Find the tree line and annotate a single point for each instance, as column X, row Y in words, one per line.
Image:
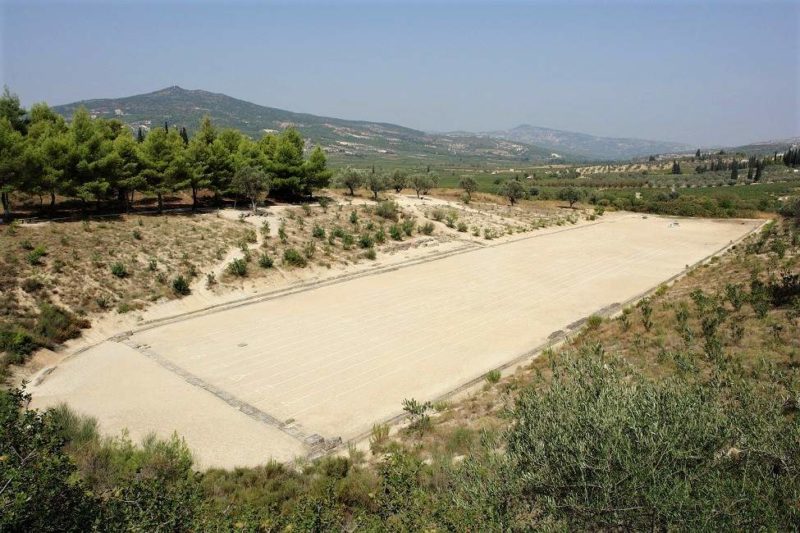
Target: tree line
column 100, row 161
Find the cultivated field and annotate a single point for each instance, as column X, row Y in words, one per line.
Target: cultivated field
column 269, row 376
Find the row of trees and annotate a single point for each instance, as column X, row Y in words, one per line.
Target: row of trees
column 376, row 182
column 98, row 160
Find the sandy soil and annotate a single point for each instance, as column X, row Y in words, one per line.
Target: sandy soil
column 274, row 371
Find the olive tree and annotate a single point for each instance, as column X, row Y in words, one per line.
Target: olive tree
column 376, row 183
column 422, row 183
column 513, row 190
column 252, row 183
column 350, row 178
column 570, row 194
column 398, row 180
column 469, row 185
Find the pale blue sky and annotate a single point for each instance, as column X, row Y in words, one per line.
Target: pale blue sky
column 707, row 73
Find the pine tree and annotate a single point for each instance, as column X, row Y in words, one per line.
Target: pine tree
column 759, row 168
column 734, row 170
column 139, row 135
column 184, row 135
column 166, row 126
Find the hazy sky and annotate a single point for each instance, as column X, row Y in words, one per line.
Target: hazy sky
column 701, row 72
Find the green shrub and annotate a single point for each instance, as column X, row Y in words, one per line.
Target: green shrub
column 119, row 270
column 370, row 254
column 366, row 241
column 380, row 236
column 427, row 228
column 55, row 324
column 180, row 286
column 238, row 267
column 347, row 241
column 318, row 232
column 438, row 214
column 353, row 217
column 396, row 232
column 16, row 341
column 265, row 261
column 462, row 227
column 294, row 258
column 387, row 209
column 137, row 235
column 408, row 226
column 309, row 249
column 419, row 419
column 31, row 285
column 35, row 255
column 493, row 376
column 378, row 437
column 594, row 321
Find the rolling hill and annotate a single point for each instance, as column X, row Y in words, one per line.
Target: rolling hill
column 344, row 140
column 583, row 144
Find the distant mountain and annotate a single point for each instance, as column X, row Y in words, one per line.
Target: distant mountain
column 766, row 147
column 588, row 146
column 344, row 140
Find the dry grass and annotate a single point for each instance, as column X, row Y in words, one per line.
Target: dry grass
column 120, row 263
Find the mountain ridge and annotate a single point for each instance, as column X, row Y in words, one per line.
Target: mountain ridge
column 363, row 140
column 343, row 139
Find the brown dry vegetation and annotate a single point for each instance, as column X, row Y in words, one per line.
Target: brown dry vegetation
column 95, row 266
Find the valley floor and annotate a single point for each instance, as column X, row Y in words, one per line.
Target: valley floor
column 267, row 374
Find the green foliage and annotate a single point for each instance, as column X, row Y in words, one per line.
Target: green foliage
column 34, row 257
column 469, row 185
column 238, row 267
column 366, row 241
column 427, row 228
column 570, row 194
column 646, row 308
column 294, row 258
column 396, row 232
column 422, row 183
column 180, row 286
column 39, row 492
column 119, row 270
column 376, row 183
column 594, row 321
column 318, row 232
column 493, row 376
column 418, row 415
column 387, row 209
column 659, row 454
column 351, row 179
column 398, row 180
column 513, row 190
column 265, row 261
column 408, row 226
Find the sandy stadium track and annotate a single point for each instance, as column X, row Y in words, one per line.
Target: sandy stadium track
column 261, row 380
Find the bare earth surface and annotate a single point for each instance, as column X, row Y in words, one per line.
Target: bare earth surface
column 262, row 379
